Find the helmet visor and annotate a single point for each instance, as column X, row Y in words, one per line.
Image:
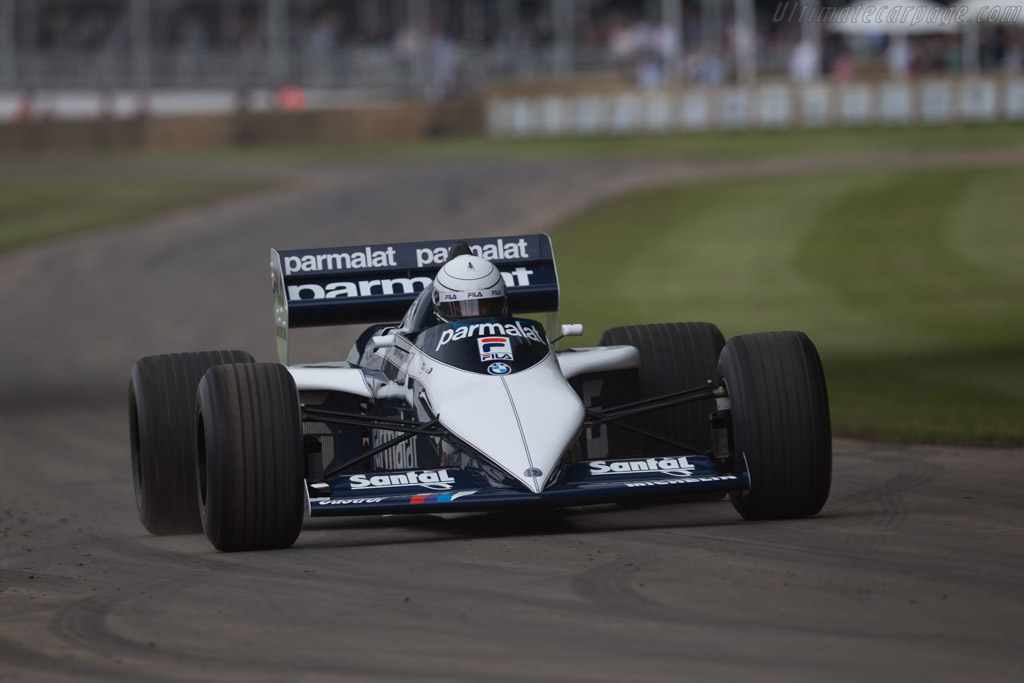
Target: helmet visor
column 472, row 308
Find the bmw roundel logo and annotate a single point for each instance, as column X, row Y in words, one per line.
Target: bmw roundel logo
column 499, row 368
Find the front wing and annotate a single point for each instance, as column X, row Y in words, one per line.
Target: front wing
column 586, row 483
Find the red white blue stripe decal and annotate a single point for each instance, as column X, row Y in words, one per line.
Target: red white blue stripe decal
column 439, row 497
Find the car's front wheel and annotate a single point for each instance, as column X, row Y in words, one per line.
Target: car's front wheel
column 250, row 461
column 781, row 432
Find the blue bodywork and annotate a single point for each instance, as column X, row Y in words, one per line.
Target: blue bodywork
column 583, row 483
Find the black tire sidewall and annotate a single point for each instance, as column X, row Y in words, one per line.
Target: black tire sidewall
column 161, row 406
column 781, row 431
column 250, row 457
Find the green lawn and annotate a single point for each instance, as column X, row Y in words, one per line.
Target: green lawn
column 719, row 145
column 83, row 192
column 36, row 206
column 910, row 283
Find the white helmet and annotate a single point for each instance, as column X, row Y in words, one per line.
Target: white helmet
column 468, row 286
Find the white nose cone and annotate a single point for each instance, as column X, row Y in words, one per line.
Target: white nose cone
column 522, row 421
column 549, row 413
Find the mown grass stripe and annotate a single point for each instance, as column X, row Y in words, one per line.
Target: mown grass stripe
column 886, row 272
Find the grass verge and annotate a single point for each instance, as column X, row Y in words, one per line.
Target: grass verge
column 84, row 192
column 716, row 145
column 909, row 283
column 39, row 207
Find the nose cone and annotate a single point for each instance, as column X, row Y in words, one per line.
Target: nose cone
column 522, row 421
column 549, row 414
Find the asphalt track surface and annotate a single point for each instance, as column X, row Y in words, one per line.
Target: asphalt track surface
column 912, row 571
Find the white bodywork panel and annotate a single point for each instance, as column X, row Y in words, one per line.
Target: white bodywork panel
column 549, row 411
column 597, row 359
column 335, row 377
column 523, row 421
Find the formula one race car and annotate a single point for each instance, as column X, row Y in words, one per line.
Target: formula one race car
column 429, row 415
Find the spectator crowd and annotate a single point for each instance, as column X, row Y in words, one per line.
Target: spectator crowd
column 629, row 35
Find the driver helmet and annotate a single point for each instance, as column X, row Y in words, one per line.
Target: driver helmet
column 468, row 286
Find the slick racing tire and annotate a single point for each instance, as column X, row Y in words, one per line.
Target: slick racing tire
column 673, row 357
column 161, row 413
column 781, row 432
column 250, row 461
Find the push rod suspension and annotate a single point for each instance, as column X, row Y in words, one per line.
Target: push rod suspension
column 650, row 404
column 320, row 415
column 429, row 428
column 645, row 432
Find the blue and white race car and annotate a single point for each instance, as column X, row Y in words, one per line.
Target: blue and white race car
column 427, row 415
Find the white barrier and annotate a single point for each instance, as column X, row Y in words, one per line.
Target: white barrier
column 815, row 106
column 937, row 102
column 979, row 102
column 1014, row 101
column 775, row 106
column 696, row 112
column 126, row 104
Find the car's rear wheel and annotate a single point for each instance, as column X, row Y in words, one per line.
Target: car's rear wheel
column 161, row 413
column 250, row 461
column 781, row 432
column 673, row 356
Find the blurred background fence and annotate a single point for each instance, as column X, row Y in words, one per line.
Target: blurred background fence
column 120, row 59
column 935, row 101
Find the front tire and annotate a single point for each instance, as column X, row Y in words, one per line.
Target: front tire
column 673, row 356
column 161, row 409
column 250, row 461
column 781, row 431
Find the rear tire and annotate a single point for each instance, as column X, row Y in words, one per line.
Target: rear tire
column 673, row 356
column 161, row 410
column 250, row 461
column 781, row 431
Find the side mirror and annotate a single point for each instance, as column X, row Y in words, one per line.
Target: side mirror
column 575, row 330
column 384, row 341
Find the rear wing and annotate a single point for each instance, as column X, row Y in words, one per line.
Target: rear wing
column 377, row 283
